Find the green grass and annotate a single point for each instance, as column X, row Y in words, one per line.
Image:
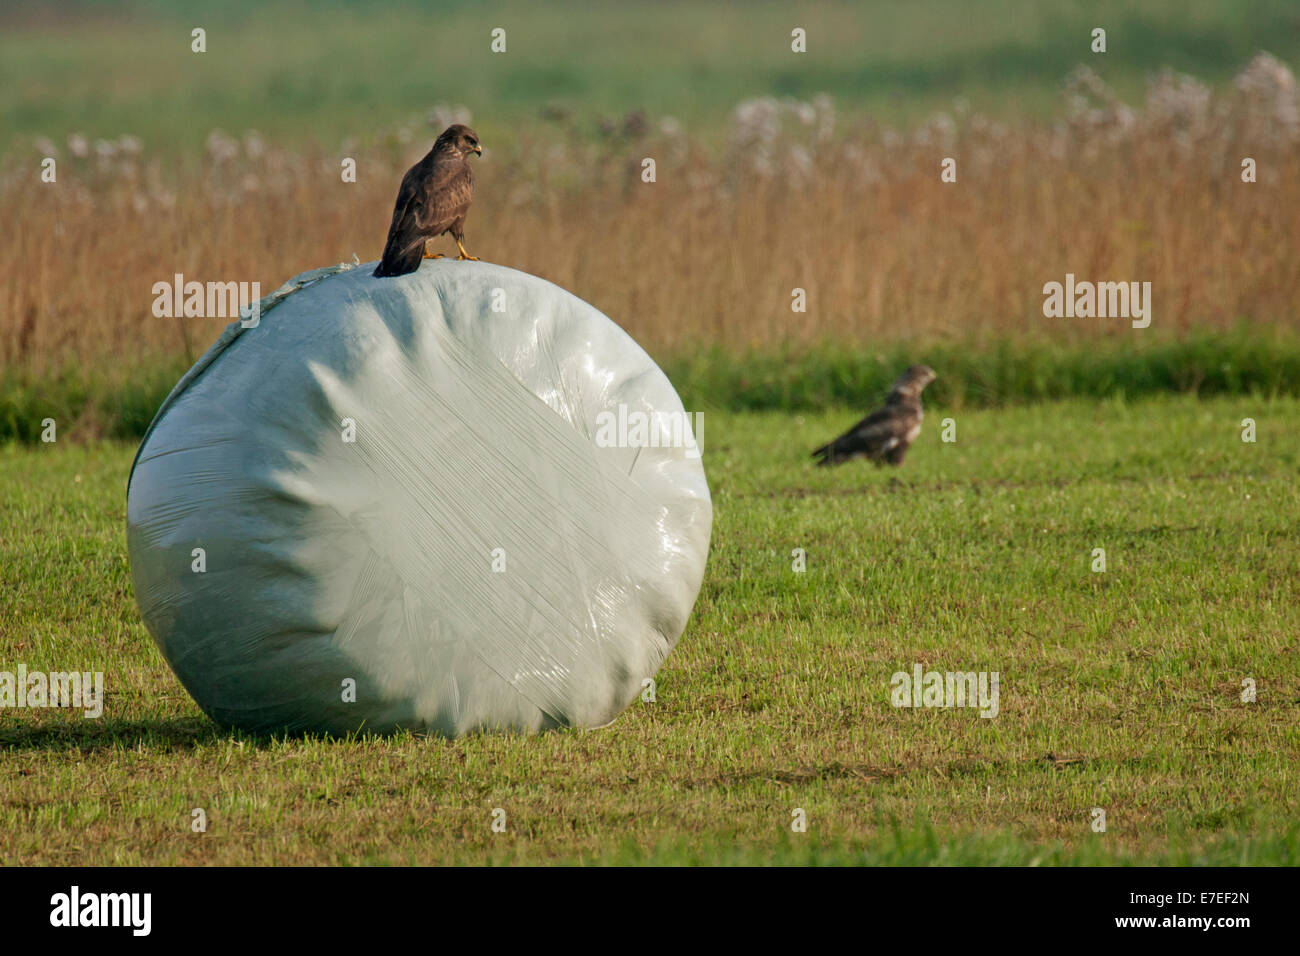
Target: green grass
column 1241, row 361
column 333, row 71
column 119, row 401
column 1119, row 690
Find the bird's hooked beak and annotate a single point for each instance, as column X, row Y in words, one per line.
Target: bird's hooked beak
column 478, row 149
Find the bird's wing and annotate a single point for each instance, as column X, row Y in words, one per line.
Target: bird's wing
column 444, row 196
column 874, row 436
column 404, row 231
column 429, row 200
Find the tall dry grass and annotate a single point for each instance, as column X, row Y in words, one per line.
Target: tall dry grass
column 709, row 254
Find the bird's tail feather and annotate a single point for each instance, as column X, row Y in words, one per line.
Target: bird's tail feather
column 398, row 261
column 825, row 455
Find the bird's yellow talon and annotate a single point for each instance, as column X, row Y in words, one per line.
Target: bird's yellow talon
column 470, row 258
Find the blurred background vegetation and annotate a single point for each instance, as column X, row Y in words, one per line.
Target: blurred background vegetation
column 775, row 171
column 350, row 69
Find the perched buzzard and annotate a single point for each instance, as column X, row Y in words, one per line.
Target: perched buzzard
column 885, row 434
column 434, row 198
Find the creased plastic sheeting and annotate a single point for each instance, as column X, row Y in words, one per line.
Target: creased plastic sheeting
column 372, row 560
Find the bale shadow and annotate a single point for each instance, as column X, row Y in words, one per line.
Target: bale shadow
column 180, row 733
column 169, row 735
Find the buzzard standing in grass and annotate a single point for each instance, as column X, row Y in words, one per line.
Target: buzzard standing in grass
column 434, row 198
column 887, row 433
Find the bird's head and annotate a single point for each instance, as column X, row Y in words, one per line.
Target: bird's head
column 913, row 382
column 460, row 138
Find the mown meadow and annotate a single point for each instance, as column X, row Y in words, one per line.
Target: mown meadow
column 1120, row 690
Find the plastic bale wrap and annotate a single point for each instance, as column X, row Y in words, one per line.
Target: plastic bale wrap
column 387, row 505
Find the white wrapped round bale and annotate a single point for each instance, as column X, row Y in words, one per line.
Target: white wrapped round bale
column 419, row 502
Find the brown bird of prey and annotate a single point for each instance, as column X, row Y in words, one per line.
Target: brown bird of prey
column 887, row 433
column 434, row 198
